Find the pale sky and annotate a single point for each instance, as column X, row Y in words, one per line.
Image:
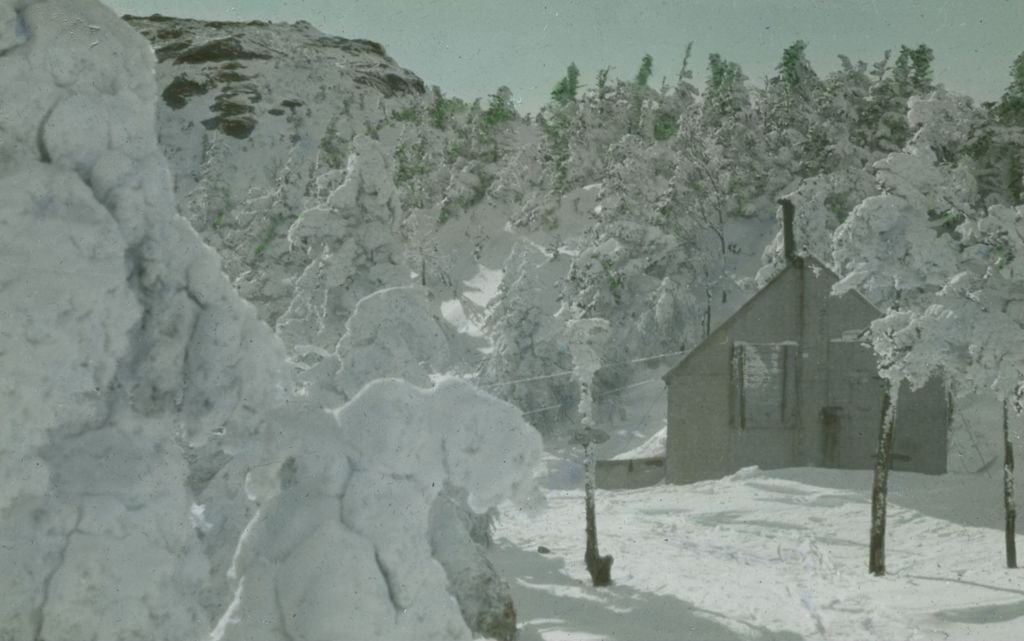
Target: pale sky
column 471, row 47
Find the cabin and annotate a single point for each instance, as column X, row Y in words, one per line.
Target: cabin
column 787, row 381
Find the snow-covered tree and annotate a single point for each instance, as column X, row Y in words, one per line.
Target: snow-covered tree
column 816, row 219
column 558, row 122
column 899, row 245
column 399, row 333
column 725, row 94
column 348, row 232
column 1010, row 109
column 882, row 125
column 500, row 108
column 329, row 532
column 161, row 471
column 528, row 344
column 997, row 145
column 945, row 268
column 635, row 267
column 699, row 202
column 644, row 73
column 729, row 147
column 789, row 110
column 565, row 90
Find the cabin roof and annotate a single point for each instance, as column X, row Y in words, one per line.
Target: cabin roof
column 806, row 262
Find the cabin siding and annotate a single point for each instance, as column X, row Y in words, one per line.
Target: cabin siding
column 795, row 333
column 630, row 474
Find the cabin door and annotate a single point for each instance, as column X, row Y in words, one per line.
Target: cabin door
column 850, row 419
column 831, row 426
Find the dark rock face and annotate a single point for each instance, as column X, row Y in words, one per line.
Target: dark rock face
column 182, row 88
column 391, row 84
column 156, row 17
column 238, row 127
column 355, row 46
column 171, row 49
column 228, row 55
column 222, row 50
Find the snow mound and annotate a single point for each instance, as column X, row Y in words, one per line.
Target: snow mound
column 745, row 473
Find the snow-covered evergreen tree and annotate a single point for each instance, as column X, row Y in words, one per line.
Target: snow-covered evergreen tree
column 529, row 349
column 997, row 146
column 789, row 110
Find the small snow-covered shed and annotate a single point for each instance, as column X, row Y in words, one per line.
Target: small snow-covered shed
column 787, row 381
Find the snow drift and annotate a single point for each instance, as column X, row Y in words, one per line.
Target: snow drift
column 160, row 471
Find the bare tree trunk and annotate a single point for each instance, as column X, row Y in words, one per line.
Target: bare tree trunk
column 1008, row 499
column 600, row 567
column 880, row 487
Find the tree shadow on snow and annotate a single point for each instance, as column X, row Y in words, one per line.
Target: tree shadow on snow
column 551, row 605
column 977, row 614
column 982, row 614
column 973, row 500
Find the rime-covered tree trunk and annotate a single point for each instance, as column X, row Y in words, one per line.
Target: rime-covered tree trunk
column 1008, row 499
column 585, row 336
column 880, row 487
column 707, row 305
column 707, row 316
column 599, row 567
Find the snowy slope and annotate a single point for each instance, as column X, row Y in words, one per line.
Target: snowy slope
column 769, row 555
column 258, row 121
column 312, row 165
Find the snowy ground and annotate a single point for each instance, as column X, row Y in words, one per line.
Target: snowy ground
column 768, row 555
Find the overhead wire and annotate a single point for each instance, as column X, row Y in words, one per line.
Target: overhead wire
column 547, row 408
column 650, row 407
column 622, row 389
column 561, row 373
column 569, row 372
